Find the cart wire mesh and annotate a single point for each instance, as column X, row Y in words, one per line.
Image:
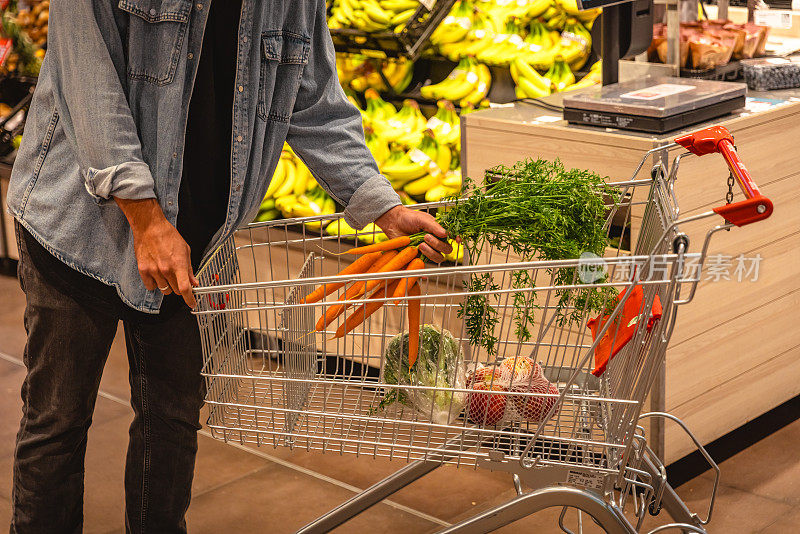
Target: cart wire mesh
column 272, row 380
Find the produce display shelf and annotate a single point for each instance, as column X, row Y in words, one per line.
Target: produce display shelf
column 410, row 42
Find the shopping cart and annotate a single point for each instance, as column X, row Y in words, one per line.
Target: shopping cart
column 272, row 381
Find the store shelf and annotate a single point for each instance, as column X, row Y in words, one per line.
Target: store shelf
column 410, row 42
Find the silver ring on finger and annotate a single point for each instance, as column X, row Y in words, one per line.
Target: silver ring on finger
column 163, row 288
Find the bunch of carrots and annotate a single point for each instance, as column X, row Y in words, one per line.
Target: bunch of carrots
column 393, row 255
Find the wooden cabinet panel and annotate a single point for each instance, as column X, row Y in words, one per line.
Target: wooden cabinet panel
column 733, row 353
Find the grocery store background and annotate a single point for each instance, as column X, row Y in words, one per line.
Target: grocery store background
column 484, row 55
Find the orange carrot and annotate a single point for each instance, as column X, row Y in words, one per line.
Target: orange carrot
column 413, row 325
column 365, row 310
column 357, row 267
column 398, row 262
column 391, row 244
column 327, row 318
column 406, row 283
column 353, row 292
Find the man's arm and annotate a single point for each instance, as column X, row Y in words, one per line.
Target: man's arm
column 100, row 126
column 325, row 131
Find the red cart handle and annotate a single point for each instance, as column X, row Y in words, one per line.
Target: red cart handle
column 718, row 139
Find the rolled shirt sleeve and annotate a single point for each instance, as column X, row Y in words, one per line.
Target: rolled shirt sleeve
column 97, row 118
column 130, row 180
column 325, row 131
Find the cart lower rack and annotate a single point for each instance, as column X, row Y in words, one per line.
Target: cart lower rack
column 563, row 421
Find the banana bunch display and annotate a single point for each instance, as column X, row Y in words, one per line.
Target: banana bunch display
column 359, row 72
column 559, row 78
column 293, row 192
column 468, row 83
column 428, row 167
column 495, row 31
column 403, row 128
column 372, row 15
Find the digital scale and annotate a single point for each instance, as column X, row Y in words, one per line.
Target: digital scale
column 654, row 104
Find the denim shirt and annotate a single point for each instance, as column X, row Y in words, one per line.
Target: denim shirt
column 108, row 118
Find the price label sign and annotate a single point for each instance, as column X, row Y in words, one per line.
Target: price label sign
column 774, row 18
column 428, row 3
column 587, row 480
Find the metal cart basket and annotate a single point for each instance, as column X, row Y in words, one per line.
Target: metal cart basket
column 272, row 380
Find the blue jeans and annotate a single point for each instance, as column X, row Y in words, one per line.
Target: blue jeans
column 70, row 332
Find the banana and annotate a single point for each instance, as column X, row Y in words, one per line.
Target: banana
column 402, row 17
column 482, row 88
column 455, row 76
column 278, row 178
column 304, row 178
column 445, row 125
column 340, row 227
column 536, row 8
column 453, row 179
column 463, row 81
column 371, row 234
column 569, row 6
column 284, row 203
column 288, row 186
column 377, row 146
column 530, row 90
column 455, row 26
column 376, row 13
column 267, row 204
column 399, row 5
column 582, row 84
column 414, row 164
column 439, row 192
column 560, row 74
column 524, row 70
column 398, row 73
column 444, row 157
column 377, row 108
column 409, row 121
column 420, row 186
column 267, row 215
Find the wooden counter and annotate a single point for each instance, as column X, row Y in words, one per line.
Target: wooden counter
column 734, row 352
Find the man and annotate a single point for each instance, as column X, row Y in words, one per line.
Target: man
column 154, row 129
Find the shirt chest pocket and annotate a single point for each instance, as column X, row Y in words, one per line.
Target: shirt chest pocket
column 284, row 55
column 155, row 36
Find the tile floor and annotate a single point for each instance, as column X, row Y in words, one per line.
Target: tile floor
column 276, row 490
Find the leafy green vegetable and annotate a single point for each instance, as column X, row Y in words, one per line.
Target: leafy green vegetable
column 539, row 210
column 439, row 365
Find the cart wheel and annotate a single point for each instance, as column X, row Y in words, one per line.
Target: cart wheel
column 653, row 508
column 680, row 239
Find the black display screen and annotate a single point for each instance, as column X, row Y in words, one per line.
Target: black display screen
column 590, row 4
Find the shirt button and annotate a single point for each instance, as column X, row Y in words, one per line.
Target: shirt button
column 174, row 155
column 239, row 138
column 244, row 39
column 241, row 88
column 190, row 55
column 238, row 187
column 153, row 12
column 170, row 203
column 199, row 6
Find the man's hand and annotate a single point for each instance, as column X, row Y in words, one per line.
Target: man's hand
column 403, row 221
column 162, row 254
